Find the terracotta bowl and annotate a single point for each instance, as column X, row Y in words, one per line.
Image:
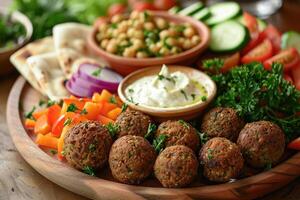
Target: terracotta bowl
column 127, row 65
column 163, row 114
column 5, row 65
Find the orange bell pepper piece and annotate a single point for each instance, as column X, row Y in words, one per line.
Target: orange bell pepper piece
column 113, row 114
column 104, row 120
column 42, row 126
column 46, row 141
column 92, row 110
column 39, row 113
column 105, row 95
column 60, row 144
column 96, row 97
column 29, row 123
column 53, row 114
column 107, row 107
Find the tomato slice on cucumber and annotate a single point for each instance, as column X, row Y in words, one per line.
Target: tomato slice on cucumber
column 260, row 53
column 289, row 58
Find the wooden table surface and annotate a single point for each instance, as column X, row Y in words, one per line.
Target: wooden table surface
column 18, row 181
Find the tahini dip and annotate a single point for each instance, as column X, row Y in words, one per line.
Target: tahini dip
column 166, row 90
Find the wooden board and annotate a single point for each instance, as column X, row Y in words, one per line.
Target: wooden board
column 105, row 187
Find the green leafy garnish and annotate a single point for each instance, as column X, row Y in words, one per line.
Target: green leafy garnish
column 193, row 96
column 124, row 107
column 151, row 130
column 209, row 154
column 53, row 151
column 203, row 137
column 113, row 99
column 92, row 147
column 84, row 112
column 203, row 98
column 50, row 103
column 89, row 170
column 257, row 94
column 184, row 123
column 29, row 115
column 159, row 143
column 72, row 108
column 113, row 129
column 97, row 72
column 42, row 102
column 130, row 90
column 213, row 65
column 68, row 122
column 184, row 94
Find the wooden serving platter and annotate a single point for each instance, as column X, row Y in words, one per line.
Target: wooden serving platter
column 105, row 188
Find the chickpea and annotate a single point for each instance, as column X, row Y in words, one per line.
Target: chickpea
column 175, row 50
column 172, row 24
column 103, row 27
column 187, row 44
column 137, row 43
column 111, row 47
column 124, row 43
column 189, row 32
column 195, row 40
column 117, row 18
column 180, row 41
column 129, row 52
column 161, row 23
column 141, row 54
column 123, row 27
column 163, row 34
column 104, row 43
column 171, row 41
column 138, row 25
column 149, row 26
column 173, row 32
column 154, row 48
column 130, row 32
column 139, row 34
column 115, row 33
column 145, row 16
column 121, row 37
column 159, row 44
column 164, row 51
column 134, row 15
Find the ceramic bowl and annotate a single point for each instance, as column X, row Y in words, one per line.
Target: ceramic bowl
column 163, row 114
column 127, row 65
column 5, row 53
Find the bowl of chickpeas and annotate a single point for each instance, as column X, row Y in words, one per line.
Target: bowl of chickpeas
column 150, row 38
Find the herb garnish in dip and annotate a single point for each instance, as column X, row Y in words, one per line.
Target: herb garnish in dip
column 11, row 33
column 166, row 90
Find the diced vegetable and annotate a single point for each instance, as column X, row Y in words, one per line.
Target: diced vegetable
column 296, row 76
column 290, row 39
column 260, row 53
column 274, row 35
column 228, row 36
column 60, row 143
column 105, row 95
column 192, row 9
column 107, row 107
column 53, row 114
column 29, row 123
column 223, row 11
column 202, row 15
column 289, row 58
column 46, row 141
column 42, row 126
column 39, row 113
column 92, row 110
column 113, row 114
column 295, row 144
column 58, row 126
column 230, row 62
column 104, row 120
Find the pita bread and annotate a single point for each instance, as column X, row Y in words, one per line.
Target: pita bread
column 46, row 70
column 18, row 59
column 70, row 41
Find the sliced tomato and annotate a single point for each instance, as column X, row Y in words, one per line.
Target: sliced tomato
column 295, row 144
column 296, row 75
column 288, row 78
column 230, row 62
column 260, row 53
column 53, row 114
column 142, row 6
column 256, row 39
column 99, row 21
column 164, row 4
column 251, row 23
column 116, row 8
column 289, row 58
column 274, row 35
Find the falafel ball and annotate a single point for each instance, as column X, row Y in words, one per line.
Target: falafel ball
column 87, row 144
column 179, row 133
column 222, row 122
column 131, row 159
column 133, row 122
column 262, row 143
column 222, row 160
column 176, row 166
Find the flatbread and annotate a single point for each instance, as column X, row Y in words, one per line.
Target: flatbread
column 47, row 71
column 70, row 41
column 18, row 59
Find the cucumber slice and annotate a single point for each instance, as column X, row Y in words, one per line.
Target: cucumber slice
column 192, row 9
column 202, row 14
column 223, row 11
column 290, row 39
column 174, row 10
column 228, row 36
column 261, row 23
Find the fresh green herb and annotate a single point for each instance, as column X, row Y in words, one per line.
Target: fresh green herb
column 113, row 99
column 84, row 112
column 114, row 25
column 151, row 130
column 209, row 154
column 124, row 107
column 92, row 147
column 29, row 115
column 180, row 28
column 213, row 65
column 165, row 44
column 203, row 98
column 53, row 151
column 159, row 143
column 121, row 48
column 184, row 123
column 50, row 103
column 113, row 129
column 193, row 96
column 131, row 101
column 97, row 72
column 184, row 94
column 203, row 137
column 89, row 170
column 146, row 15
column 68, row 122
column 130, row 90
column 42, row 102
column 268, row 166
column 72, row 108
column 160, row 77
column 258, row 94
